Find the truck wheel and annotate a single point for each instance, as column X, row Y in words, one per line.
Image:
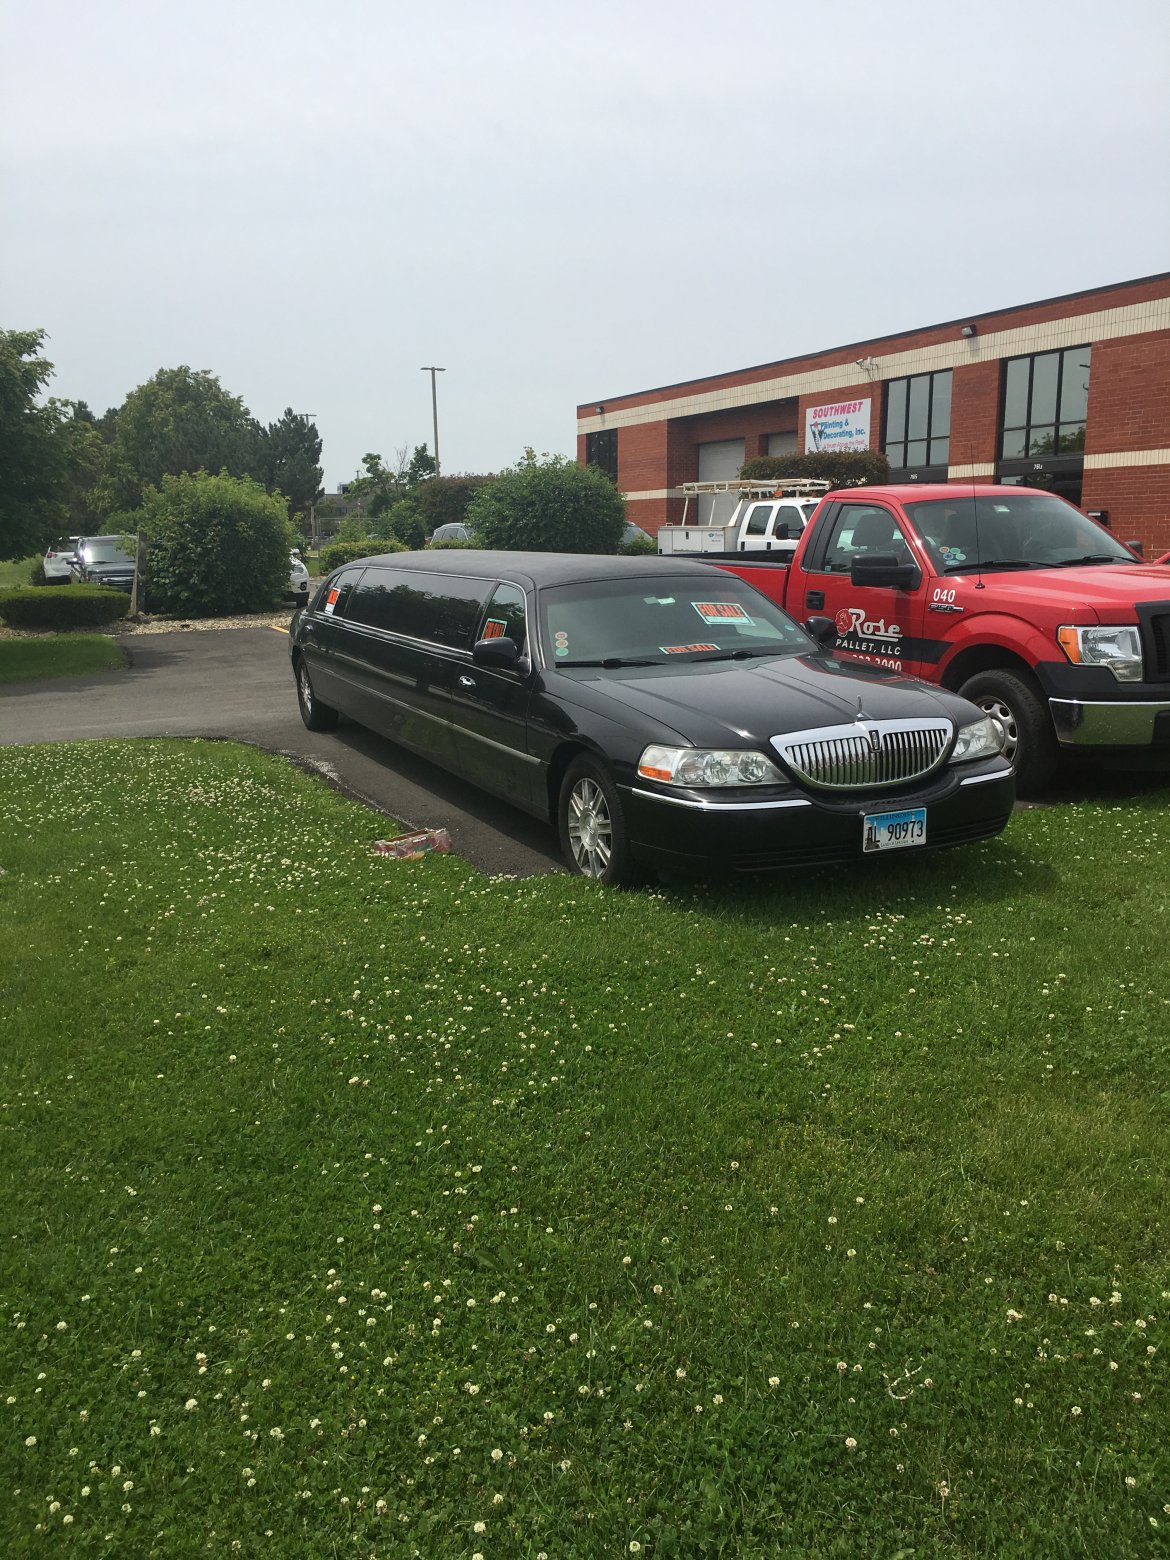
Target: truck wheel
column 593, row 825
column 1015, row 701
column 316, row 716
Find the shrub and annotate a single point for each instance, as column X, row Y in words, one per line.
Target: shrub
column 337, row 553
column 637, row 546
column 549, row 505
column 401, row 522
column 454, row 541
column 843, row 468
column 62, row 606
column 216, row 545
column 445, row 500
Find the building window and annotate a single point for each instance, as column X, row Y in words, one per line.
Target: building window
column 601, row 451
column 918, row 421
column 1045, row 398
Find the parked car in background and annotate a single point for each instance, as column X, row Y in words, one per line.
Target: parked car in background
column 660, row 713
column 298, row 578
column 453, row 531
column 59, row 559
column 105, row 560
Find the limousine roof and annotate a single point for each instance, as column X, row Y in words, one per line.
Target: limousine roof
column 538, row 568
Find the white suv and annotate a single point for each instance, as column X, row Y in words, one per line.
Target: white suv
column 298, row 577
column 57, row 560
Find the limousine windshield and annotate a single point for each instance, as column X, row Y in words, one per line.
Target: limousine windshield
column 619, row 621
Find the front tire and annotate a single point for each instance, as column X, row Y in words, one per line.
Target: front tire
column 592, row 821
column 316, row 716
column 1015, row 701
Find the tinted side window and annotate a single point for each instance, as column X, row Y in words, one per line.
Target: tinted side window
column 334, row 592
column 439, row 607
column 505, row 615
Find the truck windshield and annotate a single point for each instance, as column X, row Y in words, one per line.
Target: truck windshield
column 1012, row 531
column 675, row 617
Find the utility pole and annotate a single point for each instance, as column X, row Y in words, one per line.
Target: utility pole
column 427, row 369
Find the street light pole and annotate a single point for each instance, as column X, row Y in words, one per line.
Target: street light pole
column 427, row 369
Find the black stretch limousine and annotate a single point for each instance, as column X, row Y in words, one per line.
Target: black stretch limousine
column 663, row 713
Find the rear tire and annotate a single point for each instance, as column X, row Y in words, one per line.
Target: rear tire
column 592, row 822
column 316, row 716
column 1015, row 701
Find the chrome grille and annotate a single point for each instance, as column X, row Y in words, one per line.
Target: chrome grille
column 865, row 754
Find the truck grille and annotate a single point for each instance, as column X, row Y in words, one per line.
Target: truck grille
column 1157, row 625
column 865, row 754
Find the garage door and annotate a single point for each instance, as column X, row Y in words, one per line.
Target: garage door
column 718, row 462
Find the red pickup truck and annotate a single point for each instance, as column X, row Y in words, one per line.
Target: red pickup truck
column 1007, row 595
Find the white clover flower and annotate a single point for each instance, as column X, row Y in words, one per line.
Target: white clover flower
column 773, row 1381
column 191, row 1404
column 850, row 1444
column 497, row 1455
column 30, row 1440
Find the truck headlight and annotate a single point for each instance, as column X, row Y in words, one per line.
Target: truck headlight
column 702, row 767
column 1119, row 649
column 981, row 739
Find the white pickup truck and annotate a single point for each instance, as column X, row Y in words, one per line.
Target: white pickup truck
column 768, row 517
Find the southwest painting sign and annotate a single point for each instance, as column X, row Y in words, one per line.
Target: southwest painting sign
column 841, row 425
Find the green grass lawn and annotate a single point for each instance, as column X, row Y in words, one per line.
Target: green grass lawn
column 18, row 573
column 361, row 1206
column 58, row 655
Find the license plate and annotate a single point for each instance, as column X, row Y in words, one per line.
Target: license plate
column 894, row 830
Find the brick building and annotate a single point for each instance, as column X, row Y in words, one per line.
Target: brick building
column 1072, row 394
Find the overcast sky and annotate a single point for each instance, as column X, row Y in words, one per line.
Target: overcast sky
column 556, row 204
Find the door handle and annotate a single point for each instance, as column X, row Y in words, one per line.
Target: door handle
column 467, row 682
column 814, row 600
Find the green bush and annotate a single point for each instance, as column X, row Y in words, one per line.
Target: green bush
column 445, row 500
column 337, row 553
column 637, row 546
column 843, row 468
column 216, row 545
column 453, row 541
column 62, row 606
column 401, row 522
column 549, row 505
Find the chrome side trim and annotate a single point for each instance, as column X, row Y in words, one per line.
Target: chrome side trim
column 998, row 774
column 716, row 807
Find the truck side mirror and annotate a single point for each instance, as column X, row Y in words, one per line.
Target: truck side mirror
column 1137, row 546
column 823, row 630
column 883, row 569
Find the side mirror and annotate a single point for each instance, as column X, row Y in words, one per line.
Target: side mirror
column 823, row 630
column 500, row 653
column 884, row 570
column 1137, row 546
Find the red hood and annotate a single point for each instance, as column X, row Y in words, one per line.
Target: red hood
column 1105, row 593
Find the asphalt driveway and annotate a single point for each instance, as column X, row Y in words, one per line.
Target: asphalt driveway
column 237, row 683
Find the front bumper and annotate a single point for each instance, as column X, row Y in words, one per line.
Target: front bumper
column 798, row 830
column 1081, row 723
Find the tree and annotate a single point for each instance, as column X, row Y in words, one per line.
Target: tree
column 550, row 504
column 42, row 449
column 180, row 420
column 215, row 545
column 292, row 456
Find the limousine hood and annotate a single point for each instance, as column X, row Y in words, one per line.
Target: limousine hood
column 724, row 703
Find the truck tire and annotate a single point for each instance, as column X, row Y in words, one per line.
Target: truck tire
column 1016, row 702
column 593, row 825
column 316, row 716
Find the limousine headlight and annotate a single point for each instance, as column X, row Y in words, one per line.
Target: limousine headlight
column 981, row 739
column 707, row 766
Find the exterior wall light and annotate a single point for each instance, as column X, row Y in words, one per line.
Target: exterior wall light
column 969, row 331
